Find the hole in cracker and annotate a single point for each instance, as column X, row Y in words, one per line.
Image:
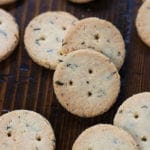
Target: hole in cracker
column 136, row 116
column 119, row 53
column 61, row 53
column 108, row 41
column 9, row 134
column 42, row 38
column 87, row 82
column 96, row 36
column 89, row 94
column 0, row 22
column 38, row 138
column 144, row 138
column 70, row 83
column 64, row 28
column 120, row 111
column 82, row 43
column 90, row 71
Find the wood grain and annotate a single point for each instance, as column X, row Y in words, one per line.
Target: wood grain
column 25, row 85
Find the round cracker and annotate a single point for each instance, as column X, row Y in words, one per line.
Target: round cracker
column 9, row 34
column 44, row 36
column 143, row 22
column 104, row 137
column 86, row 83
column 4, row 2
column 144, row 0
column 99, row 35
column 134, row 116
column 81, row 1
column 26, row 130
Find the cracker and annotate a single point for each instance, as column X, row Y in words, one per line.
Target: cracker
column 44, row 36
column 86, row 83
column 99, row 35
column 4, row 2
column 143, row 22
column 104, row 137
column 25, row 130
column 9, row 34
column 81, row 1
column 133, row 116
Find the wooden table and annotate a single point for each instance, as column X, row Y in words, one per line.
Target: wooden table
column 25, row 85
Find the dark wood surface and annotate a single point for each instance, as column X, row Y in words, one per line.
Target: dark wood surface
column 25, row 85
